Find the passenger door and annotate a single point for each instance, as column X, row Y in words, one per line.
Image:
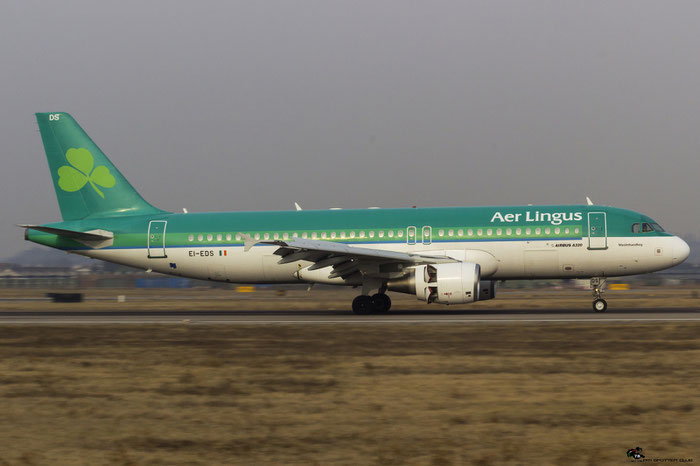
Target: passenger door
column 156, row 239
column 597, row 230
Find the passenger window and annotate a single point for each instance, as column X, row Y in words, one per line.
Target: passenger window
column 238, row 236
column 218, row 237
column 646, row 228
column 371, row 234
column 381, row 233
column 441, row 232
column 285, row 236
column 352, row 234
column 451, row 233
column 228, row 237
column 460, row 232
column 391, row 233
column 210, row 237
column 191, row 237
column 200, row 237
column 276, row 236
column 470, row 232
column 400, row 233
column 635, row 228
column 314, row 235
column 362, row 234
column 267, row 235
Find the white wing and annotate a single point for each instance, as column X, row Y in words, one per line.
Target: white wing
column 346, row 260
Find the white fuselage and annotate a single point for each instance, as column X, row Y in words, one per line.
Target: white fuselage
column 499, row 260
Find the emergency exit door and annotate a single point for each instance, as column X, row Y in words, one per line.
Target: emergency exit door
column 427, row 235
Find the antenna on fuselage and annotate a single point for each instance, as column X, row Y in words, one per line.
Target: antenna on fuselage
column 588, row 201
column 297, row 206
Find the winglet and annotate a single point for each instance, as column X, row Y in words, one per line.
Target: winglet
column 248, row 242
column 588, row 201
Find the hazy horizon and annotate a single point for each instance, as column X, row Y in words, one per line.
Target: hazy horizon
column 252, row 106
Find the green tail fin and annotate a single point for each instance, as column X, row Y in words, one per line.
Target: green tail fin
column 86, row 182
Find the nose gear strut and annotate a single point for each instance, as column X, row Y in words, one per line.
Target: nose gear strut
column 597, row 284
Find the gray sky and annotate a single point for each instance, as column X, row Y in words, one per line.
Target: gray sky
column 246, row 105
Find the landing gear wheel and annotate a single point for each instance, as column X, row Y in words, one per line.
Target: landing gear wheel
column 381, row 303
column 362, row 305
column 599, row 305
column 598, row 284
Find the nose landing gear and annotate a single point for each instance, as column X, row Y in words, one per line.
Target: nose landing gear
column 599, row 304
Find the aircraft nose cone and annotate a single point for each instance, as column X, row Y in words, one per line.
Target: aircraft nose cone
column 681, row 251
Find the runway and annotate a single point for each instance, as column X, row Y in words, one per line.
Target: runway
column 296, row 317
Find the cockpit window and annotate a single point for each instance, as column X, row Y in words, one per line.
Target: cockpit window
column 636, row 228
column 646, row 228
column 657, row 227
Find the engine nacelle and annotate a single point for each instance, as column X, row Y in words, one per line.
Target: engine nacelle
column 453, row 283
column 487, row 290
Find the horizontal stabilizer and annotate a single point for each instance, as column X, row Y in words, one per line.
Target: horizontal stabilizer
column 72, row 234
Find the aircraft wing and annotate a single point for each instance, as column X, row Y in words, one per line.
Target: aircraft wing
column 346, row 260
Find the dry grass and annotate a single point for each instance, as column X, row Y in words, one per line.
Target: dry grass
column 333, row 394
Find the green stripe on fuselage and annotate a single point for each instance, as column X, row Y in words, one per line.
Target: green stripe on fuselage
column 533, row 222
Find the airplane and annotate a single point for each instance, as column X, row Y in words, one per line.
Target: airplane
column 446, row 255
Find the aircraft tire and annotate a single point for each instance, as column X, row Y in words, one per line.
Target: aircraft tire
column 381, row 303
column 362, row 305
column 600, row 305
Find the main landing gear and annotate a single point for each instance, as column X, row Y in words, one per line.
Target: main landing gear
column 376, row 304
column 599, row 304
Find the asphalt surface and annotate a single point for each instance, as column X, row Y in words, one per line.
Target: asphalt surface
column 505, row 316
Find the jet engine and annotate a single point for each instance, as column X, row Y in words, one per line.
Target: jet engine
column 452, row 283
column 487, row 290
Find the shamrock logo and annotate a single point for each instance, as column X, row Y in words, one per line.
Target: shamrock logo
column 73, row 178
